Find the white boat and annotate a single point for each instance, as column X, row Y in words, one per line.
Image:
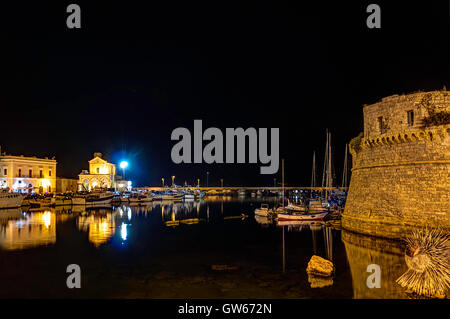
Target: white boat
column 263, row 210
column 307, row 216
column 11, row 200
column 99, row 198
column 189, row 196
column 60, row 200
column 242, row 193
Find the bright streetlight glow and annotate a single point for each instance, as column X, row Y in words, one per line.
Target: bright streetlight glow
column 123, row 164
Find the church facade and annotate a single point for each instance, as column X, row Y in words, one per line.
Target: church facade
column 100, row 175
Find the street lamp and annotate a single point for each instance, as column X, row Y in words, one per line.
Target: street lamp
column 173, row 180
column 198, row 182
column 221, row 182
column 123, row 165
column 207, row 177
column 162, row 182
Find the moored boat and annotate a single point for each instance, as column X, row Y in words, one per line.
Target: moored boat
column 263, row 210
column 296, row 208
column 139, row 198
column 306, row 216
column 11, row 200
column 60, row 200
column 99, row 198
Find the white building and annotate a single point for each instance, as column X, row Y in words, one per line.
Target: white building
column 27, row 174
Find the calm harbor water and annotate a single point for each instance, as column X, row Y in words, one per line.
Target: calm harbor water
column 214, row 248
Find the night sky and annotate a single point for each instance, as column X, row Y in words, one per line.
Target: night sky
column 134, row 72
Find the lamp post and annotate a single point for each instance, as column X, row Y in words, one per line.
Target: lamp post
column 123, row 165
column 173, row 180
column 274, row 182
column 162, row 182
column 221, row 182
column 207, row 179
column 198, row 182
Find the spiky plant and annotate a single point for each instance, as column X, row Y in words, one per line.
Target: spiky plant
column 427, row 256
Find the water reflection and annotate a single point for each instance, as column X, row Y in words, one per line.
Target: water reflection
column 389, row 255
column 25, row 230
column 278, row 246
column 100, row 225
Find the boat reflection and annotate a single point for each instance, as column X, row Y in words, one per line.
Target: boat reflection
column 174, row 213
column 20, row 230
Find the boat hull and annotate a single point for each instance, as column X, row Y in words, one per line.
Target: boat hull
column 261, row 212
column 313, row 216
column 11, row 200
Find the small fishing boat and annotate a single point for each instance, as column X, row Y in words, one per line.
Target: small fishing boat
column 11, row 200
column 315, row 205
column 305, row 216
column 295, row 208
column 99, row 198
column 60, row 200
column 140, row 198
column 40, row 201
column 263, row 210
column 79, row 199
column 172, row 196
column 189, row 195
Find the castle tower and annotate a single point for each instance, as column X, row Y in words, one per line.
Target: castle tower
column 401, row 166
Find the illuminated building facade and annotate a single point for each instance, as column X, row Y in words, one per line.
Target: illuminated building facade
column 101, row 174
column 27, row 174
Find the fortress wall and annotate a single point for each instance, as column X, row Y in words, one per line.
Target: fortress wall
column 400, row 176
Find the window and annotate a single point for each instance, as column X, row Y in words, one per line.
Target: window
column 49, row 173
column 40, row 174
column 20, row 172
column 410, row 115
column 5, row 171
column 30, row 173
column 98, row 170
column 380, row 123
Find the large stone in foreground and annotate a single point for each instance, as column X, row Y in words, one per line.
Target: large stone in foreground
column 319, row 266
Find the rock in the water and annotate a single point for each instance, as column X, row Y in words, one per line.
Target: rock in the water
column 319, row 266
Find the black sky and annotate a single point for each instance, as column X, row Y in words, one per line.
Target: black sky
column 135, row 71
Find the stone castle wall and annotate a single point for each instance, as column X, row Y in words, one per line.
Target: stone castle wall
column 401, row 171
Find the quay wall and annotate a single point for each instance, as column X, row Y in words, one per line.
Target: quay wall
column 401, row 169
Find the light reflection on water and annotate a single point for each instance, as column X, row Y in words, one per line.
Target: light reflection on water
column 105, row 227
column 22, row 231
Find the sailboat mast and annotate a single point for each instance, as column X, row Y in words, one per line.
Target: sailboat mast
column 325, row 162
column 282, row 177
column 345, row 172
column 330, row 176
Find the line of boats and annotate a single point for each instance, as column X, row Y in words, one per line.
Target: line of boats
column 95, row 198
column 316, row 209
